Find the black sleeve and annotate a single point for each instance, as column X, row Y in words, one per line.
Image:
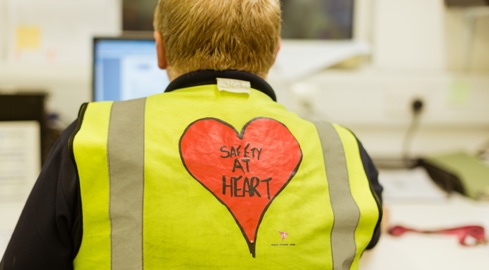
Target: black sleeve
column 48, row 232
column 373, row 177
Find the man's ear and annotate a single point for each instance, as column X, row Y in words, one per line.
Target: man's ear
column 160, row 50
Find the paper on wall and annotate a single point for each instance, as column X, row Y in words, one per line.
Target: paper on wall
column 20, row 159
column 58, row 32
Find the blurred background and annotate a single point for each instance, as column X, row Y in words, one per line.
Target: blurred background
column 409, row 77
column 363, row 61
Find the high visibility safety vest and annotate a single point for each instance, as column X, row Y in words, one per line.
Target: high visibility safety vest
column 207, row 179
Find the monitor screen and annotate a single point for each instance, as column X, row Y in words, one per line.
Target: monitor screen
column 137, row 15
column 301, row 19
column 126, row 68
column 317, row 19
column 466, row 3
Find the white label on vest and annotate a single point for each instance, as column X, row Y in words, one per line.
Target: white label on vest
column 233, row 86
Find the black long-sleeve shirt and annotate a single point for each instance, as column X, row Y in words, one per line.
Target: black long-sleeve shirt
column 49, row 231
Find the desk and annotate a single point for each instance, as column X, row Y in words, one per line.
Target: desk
column 408, row 252
column 427, row 252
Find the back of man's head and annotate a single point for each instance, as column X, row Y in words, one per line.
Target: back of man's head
column 219, row 34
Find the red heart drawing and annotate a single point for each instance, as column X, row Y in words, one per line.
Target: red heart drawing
column 245, row 171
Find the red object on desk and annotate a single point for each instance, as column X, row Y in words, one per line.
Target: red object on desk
column 471, row 235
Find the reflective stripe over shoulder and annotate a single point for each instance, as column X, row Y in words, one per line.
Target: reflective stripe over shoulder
column 111, row 139
column 354, row 207
column 361, row 191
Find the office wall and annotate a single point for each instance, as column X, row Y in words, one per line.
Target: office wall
column 376, row 105
column 45, row 46
column 3, row 20
column 417, row 49
column 424, row 34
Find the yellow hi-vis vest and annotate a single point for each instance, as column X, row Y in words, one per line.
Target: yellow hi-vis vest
column 203, row 179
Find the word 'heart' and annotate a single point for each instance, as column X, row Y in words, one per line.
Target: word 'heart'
column 245, row 171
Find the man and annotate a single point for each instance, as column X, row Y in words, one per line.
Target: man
column 210, row 174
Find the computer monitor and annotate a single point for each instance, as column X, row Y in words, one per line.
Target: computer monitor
column 466, row 3
column 318, row 19
column 310, row 20
column 126, row 68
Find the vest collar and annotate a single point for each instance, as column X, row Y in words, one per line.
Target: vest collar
column 203, row 77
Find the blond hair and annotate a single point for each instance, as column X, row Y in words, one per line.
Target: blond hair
column 219, row 34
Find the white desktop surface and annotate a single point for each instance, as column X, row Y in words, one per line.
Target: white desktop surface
column 408, row 252
column 428, row 209
column 413, row 251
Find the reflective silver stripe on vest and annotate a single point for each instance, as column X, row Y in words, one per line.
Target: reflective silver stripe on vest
column 345, row 210
column 125, row 149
